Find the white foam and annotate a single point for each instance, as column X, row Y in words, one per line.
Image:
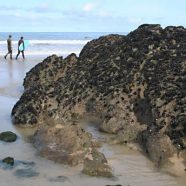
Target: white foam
column 51, row 42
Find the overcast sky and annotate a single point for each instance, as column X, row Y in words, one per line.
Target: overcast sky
column 88, row 15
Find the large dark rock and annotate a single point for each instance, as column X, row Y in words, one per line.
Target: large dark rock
column 8, row 136
column 133, row 85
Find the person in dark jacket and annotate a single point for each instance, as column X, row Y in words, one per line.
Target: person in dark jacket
column 21, row 41
column 9, row 47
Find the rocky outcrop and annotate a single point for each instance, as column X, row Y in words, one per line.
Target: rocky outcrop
column 133, row 85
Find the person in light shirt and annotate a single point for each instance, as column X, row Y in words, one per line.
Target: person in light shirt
column 21, row 41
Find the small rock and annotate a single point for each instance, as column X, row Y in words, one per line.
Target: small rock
column 96, row 165
column 8, row 160
column 8, row 136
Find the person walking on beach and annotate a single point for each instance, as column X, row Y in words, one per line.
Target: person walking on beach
column 9, row 47
column 21, row 42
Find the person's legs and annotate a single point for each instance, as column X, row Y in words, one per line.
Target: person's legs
column 6, row 55
column 17, row 54
column 23, row 54
column 9, row 52
column 11, row 55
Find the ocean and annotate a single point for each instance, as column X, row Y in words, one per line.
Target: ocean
column 48, row 43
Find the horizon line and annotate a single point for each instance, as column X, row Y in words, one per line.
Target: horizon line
column 63, row 32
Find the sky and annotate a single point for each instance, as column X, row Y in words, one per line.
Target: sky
column 88, row 15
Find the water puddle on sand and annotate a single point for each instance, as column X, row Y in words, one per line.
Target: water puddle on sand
column 130, row 167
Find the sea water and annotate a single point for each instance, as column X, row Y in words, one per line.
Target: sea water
column 48, row 43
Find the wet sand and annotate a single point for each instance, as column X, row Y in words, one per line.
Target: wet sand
column 130, row 167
